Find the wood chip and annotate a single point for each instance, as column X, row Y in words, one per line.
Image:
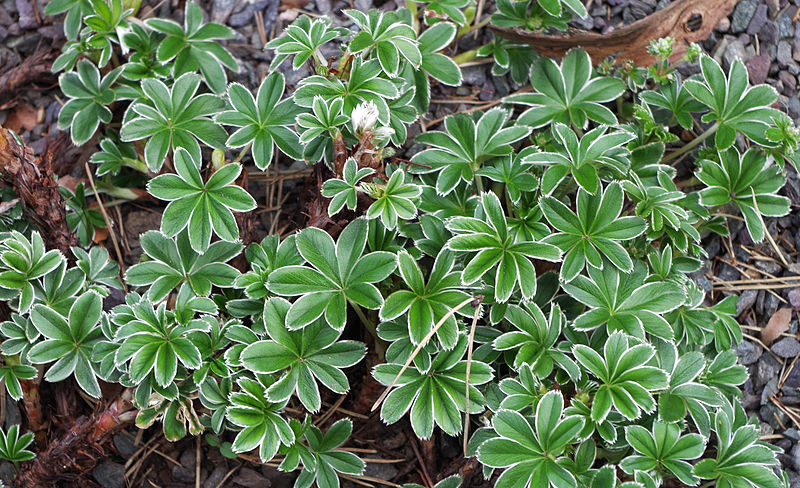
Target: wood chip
column 678, row 20
column 778, row 324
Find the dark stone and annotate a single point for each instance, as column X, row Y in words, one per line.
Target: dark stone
column 758, row 68
column 125, row 445
column 770, row 267
column 771, row 303
column 27, row 18
column 748, row 353
column 7, row 472
column 757, row 21
column 787, row 348
column 186, row 471
column 784, row 55
column 13, row 416
column 785, row 26
column 109, row 475
column 746, row 300
column 774, row 417
column 794, row 298
column 216, row 477
column 742, row 15
column 789, row 83
column 768, row 368
column 251, row 479
column 245, row 16
column 735, row 50
column 769, row 33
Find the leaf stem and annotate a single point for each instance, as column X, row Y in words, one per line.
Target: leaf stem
column 470, row 343
column 380, row 345
column 465, row 57
column 688, row 147
column 243, row 153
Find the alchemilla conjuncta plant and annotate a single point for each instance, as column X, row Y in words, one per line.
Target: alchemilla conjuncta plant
column 525, row 277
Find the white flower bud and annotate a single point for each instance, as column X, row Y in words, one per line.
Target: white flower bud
column 364, row 117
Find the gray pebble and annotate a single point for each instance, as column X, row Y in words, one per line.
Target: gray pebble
column 124, row 444
column 788, row 347
column 735, row 50
column 742, row 15
column 748, row 353
column 785, row 26
column 768, row 368
column 109, row 475
column 784, row 55
column 746, row 300
column 789, row 83
column 758, row 19
column 769, row 33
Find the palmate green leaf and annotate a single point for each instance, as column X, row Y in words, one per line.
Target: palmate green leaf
column 394, row 201
column 437, row 65
column 153, row 343
column 741, row 460
column 327, row 459
column 264, row 258
column 19, row 335
column 364, row 85
column 436, row 396
column 345, row 191
column 82, row 219
column 302, row 39
column 321, row 126
column 532, row 450
column 685, row 393
column 263, row 426
column 89, row 97
column 674, row 97
column 593, row 232
column 464, row 146
column 303, row 357
column 60, row 288
column 385, row 36
column 76, row 10
column 514, row 172
column 509, row 57
column 425, row 303
column 568, row 93
column 624, row 302
column 340, row 273
column 734, row 106
column 584, row 159
column 11, row 374
column 194, row 46
column 23, row 260
column 534, row 340
column 13, row 446
column 114, row 156
column 626, row 382
column 201, row 207
column 451, row 9
column 173, row 261
column 69, row 341
column 663, row 449
column 748, row 180
column 497, row 251
column 172, row 118
column 263, row 120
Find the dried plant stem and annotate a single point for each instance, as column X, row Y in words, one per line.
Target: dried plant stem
column 416, row 351
column 470, row 341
